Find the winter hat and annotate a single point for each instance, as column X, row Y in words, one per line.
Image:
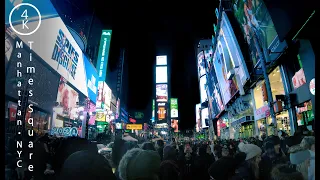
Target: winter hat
column 299, row 157
column 250, row 149
column 269, row 145
column 86, row 165
column 223, row 168
column 139, row 164
column 307, row 142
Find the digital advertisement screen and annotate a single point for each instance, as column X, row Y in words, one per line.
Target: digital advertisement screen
column 92, row 116
column 67, row 99
column 204, row 116
column 45, row 81
column 232, row 51
column 222, row 63
column 162, row 113
column 161, row 74
column 162, row 93
column 103, row 54
column 203, row 92
column 254, row 18
column 174, row 107
column 161, row 60
column 201, row 64
column 175, row 125
column 100, row 115
column 198, row 118
column 153, row 109
column 108, row 96
column 104, row 96
column 91, row 79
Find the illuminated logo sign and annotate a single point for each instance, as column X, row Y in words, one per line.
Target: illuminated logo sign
column 134, row 126
column 65, row 54
column 91, row 84
column 161, row 104
column 103, row 54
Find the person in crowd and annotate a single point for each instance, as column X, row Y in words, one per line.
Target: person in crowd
column 308, row 142
column 118, row 150
column 285, row 172
column 202, row 162
column 225, row 151
column 148, row 146
column 249, row 170
column 159, row 147
column 300, row 158
column 240, row 158
column 169, row 168
column 131, row 168
column 84, row 165
column 223, row 169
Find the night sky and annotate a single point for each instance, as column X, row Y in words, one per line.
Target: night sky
column 150, row 28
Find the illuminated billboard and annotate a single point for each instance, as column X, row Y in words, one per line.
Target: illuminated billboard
column 104, row 96
column 174, row 107
column 198, row 118
column 254, row 18
column 204, row 116
column 103, row 54
column 162, row 113
column 201, row 64
column 203, row 92
column 153, row 109
column 161, row 60
column 175, row 125
column 162, row 93
column 161, row 74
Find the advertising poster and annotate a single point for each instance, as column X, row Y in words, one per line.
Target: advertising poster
column 100, row 116
column 204, row 117
column 203, row 92
column 45, row 81
column 104, row 96
column 174, row 107
column 153, row 108
column 221, row 62
column 92, row 110
column 254, row 18
column 198, row 120
column 108, row 95
column 231, row 48
column 161, row 74
column 58, row 49
column 91, row 79
column 201, row 64
column 103, row 54
column 67, row 99
column 162, row 113
column 162, row 93
column 175, row 125
column 161, row 60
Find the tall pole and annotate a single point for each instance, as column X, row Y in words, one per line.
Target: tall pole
column 267, row 82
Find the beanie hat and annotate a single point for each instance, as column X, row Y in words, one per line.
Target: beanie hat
column 299, row 157
column 250, row 149
column 269, row 145
column 139, row 164
column 86, row 165
column 307, row 142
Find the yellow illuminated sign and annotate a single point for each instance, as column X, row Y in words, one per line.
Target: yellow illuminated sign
column 134, row 126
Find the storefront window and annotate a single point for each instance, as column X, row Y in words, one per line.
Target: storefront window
column 276, row 84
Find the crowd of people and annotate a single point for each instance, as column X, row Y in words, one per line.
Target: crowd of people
column 265, row 158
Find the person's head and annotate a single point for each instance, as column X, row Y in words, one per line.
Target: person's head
column 276, row 142
column 253, row 156
column 301, row 158
column 86, row 165
column 203, row 150
column 131, row 168
column 285, row 172
column 148, row 146
column 269, row 147
column 240, row 158
column 169, row 153
column 308, row 142
column 118, row 150
column 225, row 151
column 223, row 169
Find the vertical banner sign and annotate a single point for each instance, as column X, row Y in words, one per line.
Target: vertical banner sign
column 174, row 107
column 103, row 54
column 153, row 108
column 119, row 72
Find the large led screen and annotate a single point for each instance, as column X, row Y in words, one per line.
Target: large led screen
column 161, row 74
column 162, row 93
column 153, row 109
column 103, row 54
column 201, row 64
column 161, row 60
column 204, row 116
column 174, row 108
column 175, row 125
column 104, row 96
column 162, row 113
column 108, row 96
column 198, row 119
column 235, row 61
column 254, row 18
column 222, row 65
column 67, row 99
column 203, row 92
column 45, row 80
